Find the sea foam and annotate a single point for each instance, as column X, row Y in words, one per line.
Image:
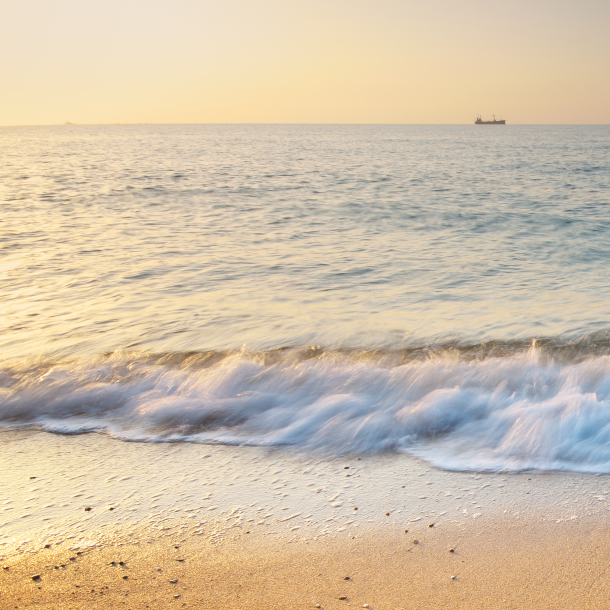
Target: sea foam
column 523, row 409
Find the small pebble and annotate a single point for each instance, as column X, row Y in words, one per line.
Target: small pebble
column 355, row 508
column 453, row 577
column 5, row 567
column 430, row 524
column 416, row 542
column 346, row 578
column 87, row 509
column 177, row 596
column 452, row 550
column 111, row 508
column 342, row 597
column 121, row 563
column 366, row 606
column 47, row 546
column 318, row 606
column 125, row 577
column 32, row 477
column 406, row 531
column 387, row 514
column 345, row 467
column 36, row 577
column 173, row 581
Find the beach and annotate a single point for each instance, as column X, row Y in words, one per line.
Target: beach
column 251, row 528
column 298, row 365
column 526, row 566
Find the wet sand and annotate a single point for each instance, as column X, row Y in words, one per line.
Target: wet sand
column 241, row 527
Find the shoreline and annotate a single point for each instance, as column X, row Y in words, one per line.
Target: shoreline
column 256, row 527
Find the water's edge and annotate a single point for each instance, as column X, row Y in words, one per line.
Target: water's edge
column 494, row 406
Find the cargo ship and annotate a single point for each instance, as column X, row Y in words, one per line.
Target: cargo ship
column 480, row 121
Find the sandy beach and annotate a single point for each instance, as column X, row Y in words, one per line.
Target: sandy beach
column 347, row 363
column 495, row 566
column 240, row 527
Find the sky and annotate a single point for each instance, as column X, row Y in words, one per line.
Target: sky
column 314, row 61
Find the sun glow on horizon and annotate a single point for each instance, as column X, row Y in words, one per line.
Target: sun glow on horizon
column 286, row 62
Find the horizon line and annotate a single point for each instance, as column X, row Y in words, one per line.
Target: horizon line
column 70, row 124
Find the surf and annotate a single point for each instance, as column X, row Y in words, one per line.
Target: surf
column 487, row 407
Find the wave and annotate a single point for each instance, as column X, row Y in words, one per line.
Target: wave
column 493, row 406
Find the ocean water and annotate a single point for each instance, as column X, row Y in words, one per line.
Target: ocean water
column 437, row 290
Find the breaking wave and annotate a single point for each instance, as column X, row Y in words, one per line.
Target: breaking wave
column 494, row 406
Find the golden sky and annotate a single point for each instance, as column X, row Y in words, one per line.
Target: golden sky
column 311, row 61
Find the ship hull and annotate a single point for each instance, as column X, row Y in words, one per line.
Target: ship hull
column 503, row 122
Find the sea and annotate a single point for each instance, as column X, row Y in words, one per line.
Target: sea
column 330, row 290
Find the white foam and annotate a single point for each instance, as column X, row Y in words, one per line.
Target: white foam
column 514, row 412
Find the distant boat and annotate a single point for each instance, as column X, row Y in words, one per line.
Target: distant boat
column 480, row 121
